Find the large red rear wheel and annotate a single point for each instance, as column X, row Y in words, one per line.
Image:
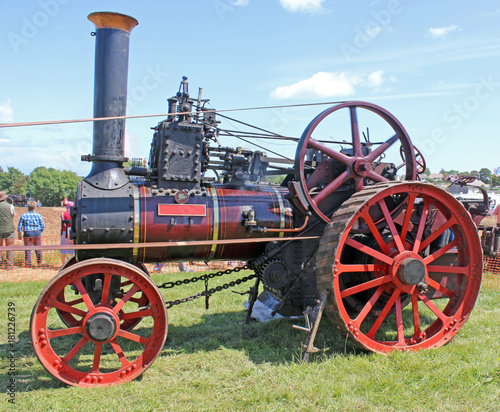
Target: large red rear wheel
column 98, row 350
column 411, row 281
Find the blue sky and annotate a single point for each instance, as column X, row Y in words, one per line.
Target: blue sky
column 433, row 64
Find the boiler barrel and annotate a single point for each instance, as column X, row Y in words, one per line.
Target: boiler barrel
column 137, row 216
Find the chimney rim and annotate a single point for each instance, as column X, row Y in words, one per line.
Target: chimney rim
column 112, row 20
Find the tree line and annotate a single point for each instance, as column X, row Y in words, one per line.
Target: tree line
column 484, row 174
column 47, row 185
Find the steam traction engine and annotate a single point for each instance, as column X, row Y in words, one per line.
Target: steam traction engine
column 395, row 265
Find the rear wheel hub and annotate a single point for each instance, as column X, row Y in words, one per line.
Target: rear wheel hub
column 411, row 271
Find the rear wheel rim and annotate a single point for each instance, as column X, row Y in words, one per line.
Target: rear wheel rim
column 425, row 319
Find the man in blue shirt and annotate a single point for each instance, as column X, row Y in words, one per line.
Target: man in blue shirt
column 31, row 223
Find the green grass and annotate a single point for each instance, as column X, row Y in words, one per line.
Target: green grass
column 211, row 361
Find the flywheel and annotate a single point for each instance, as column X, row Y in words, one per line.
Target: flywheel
column 412, row 280
column 335, row 158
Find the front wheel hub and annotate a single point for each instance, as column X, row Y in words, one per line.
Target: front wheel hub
column 101, row 327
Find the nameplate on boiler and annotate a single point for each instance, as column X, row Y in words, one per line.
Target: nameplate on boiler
column 182, row 210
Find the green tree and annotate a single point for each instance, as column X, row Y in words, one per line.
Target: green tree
column 276, row 179
column 485, row 175
column 448, row 172
column 495, row 181
column 12, row 181
column 50, row 186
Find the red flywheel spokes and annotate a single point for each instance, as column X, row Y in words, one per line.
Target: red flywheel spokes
column 329, row 169
column 411, row 281
column 96, row 347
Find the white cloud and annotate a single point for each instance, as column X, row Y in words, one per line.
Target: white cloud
column 6, row 112
column 4, row 140
column 439, row 32
column 376, row 79
column 241, row 3
column 303, row 6
column 323, row 84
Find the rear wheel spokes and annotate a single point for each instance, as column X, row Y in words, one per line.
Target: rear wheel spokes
column 405, row 282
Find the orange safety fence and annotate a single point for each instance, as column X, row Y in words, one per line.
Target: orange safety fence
column 52, row 261
column 491, row 272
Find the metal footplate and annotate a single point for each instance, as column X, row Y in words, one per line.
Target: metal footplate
column 312, row 317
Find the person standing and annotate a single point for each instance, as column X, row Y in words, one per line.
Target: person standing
column 66, row 233
column 31, row 223
column 7, row 213
column 496, row 212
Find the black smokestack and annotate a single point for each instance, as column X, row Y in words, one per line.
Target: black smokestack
column 110, row 98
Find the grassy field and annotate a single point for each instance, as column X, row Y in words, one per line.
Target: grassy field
column 213, row 362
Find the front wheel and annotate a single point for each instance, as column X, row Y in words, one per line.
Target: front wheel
column 98, row 350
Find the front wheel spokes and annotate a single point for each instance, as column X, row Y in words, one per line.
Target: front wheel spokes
column 133, row 337
column 125, row 299
column 97, row 358
column 84, row 294
column 106, row 289
column 101, row 350
column 64, row 332
column 438, row 312
column 72, row 353
column 135, row 315
column 66, row 308
column 121, row 355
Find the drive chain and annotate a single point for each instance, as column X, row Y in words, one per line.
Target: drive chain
column 205, row 277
